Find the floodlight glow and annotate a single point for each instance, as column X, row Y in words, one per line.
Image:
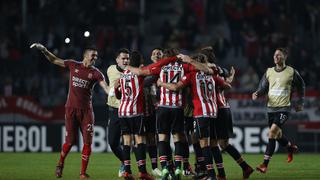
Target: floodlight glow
column 67, row 40
column 86, row 34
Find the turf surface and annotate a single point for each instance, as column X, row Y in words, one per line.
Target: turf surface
column 104, row 166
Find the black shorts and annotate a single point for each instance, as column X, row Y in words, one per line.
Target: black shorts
column 132, row 125
column 188, row 125
column 204, row 127
column 150, row 123
column 278, row 118
column 223, row 125
column 170, row 120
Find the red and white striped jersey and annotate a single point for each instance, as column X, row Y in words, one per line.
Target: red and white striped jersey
column 221, row 99
column 203, row 93
column 132, row 100
column 172, row 73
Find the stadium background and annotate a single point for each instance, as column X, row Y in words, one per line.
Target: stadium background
column 244, row 34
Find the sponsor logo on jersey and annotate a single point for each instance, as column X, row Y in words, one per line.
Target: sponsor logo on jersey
column 78, row 82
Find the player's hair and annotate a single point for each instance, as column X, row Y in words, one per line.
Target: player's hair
column 158, row 48
column 89, row 48
column 199, row 57
column 209, row 52
column 170, row 52
column 283, row 50
column 136, row 59
column 122, row 50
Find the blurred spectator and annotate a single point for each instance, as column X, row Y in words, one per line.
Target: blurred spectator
column 249, row 80
column 248, row 38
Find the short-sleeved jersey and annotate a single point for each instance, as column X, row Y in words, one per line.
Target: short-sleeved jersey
column 172, row 73
column 81, row 82
column 203, row 93
column 221, row 99
column 113, row 74
column 132, row 100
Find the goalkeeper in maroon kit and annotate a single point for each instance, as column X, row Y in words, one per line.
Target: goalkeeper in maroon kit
column 78, row 108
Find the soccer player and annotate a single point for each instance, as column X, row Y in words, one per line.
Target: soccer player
column 114, row 131
column 79, row 112
column 224, row 125
column 205, row 108
column 170, row 112
column 151, row 101
column 130, row 113
column 278, row 83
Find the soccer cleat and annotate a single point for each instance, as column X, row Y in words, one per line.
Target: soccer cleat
column 247, row 172
column 121, row 170
column 145, row 176
column 291, row 149
column 177, row 174
column 84, row 176
column 59, row 170
column 188, row 171
column 262, row 168
column 200, row 171
column 127, row 176
column 164, row 174
column 156, row 172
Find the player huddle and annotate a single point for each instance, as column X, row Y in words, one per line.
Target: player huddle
column 177, row 76
column 177, row 96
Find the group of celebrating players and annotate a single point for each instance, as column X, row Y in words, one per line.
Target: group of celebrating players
column 176, row 96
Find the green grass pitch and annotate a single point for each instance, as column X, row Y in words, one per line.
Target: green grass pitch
column 104, row 166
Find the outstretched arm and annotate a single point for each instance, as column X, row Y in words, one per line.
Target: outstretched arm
column 51, row 57
column 197, row 65
column 151, row 69
column 104, row 86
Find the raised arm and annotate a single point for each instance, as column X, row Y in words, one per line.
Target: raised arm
column 229, row 79
column 171, row 86
column 222, row 83
column 50, row 56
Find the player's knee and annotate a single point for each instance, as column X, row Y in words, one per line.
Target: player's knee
column 223, row 143
column 204, row 142
column 279, row 135
column 178, row 137
column 140, row 139
column 163, row 137
column 273, row 133
column 126, row 140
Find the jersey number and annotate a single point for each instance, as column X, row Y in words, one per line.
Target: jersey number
column 127, row 88
column 174, row 79
column 206, row 89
